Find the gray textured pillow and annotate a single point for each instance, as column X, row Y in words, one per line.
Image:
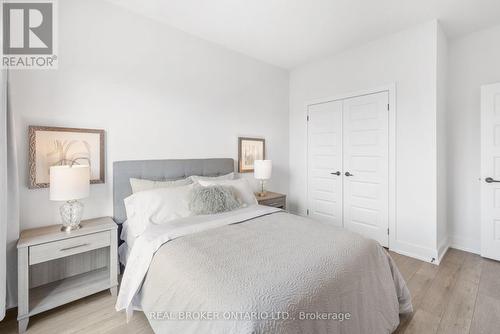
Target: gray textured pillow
column 212, row 199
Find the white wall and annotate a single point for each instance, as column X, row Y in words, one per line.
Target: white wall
column 408, row 58
column 158, row 93
column 443, row 241
column 473, row 61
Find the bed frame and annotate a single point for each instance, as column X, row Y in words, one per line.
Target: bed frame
column 160, row 170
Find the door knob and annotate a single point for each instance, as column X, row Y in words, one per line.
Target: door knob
column 490, row 180
column 336, row 173
column 348, row 174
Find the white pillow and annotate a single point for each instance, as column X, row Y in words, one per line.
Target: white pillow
column 156, row 206
column 241, row 187
column 197, row 178
column 143, row 184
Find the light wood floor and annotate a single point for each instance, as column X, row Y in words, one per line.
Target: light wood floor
column 462, row 295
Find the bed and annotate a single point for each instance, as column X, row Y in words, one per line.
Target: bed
column 252, row 270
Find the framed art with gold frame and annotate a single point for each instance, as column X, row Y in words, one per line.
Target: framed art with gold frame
column 57, row 146
column 249, row 150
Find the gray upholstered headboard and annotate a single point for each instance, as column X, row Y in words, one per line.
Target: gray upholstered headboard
column 159, row 170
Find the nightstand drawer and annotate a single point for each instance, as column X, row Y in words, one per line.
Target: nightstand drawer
column 61, row 248
column 276, row 202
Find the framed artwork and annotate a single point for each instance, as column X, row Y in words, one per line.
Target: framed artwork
column 249, row 150
column 52, row 146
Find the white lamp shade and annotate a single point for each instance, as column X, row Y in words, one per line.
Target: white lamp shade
column 69, row 183
column 262, row 169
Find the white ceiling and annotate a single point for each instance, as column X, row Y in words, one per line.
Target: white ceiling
column 288, row 33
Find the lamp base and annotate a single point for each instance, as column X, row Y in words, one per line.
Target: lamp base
column 71, row 215
column 262, row 192
column 70, row 228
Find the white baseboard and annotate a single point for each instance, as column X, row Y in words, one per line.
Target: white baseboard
column 466, row 244
column 443, row 248
column 414, row 251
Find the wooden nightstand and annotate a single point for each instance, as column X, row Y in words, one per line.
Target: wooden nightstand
column 50, row 265
column 272, row 199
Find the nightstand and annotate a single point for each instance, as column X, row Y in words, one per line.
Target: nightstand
column 272, row 199
column 55, row 267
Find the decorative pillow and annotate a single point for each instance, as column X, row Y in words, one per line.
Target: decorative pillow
column 241, row 188
column 156, row 206
column 212, row 199
column 143, row 184
column 196, row 178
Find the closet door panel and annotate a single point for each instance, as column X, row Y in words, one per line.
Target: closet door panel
column 366, row 159
column 324, row 160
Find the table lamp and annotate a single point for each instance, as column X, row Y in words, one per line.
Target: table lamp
column 70, row 183
column 262, row 170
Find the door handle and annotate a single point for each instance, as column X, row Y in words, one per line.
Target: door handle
column 490, row 180
column 336, row 173
column 348, row 174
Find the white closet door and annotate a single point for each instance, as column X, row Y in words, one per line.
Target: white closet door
column 366, row 166
column 490, row 170
column 325, row 162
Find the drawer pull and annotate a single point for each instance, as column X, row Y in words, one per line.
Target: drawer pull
column 77, row 246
